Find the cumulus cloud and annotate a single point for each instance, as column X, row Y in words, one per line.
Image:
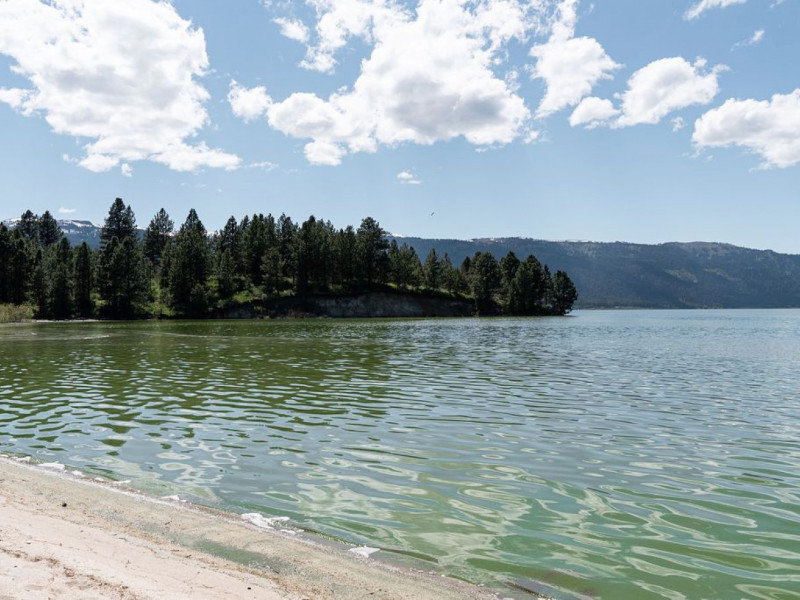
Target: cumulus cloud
column 338, row 21
column 122, row 74
column 569, row 66
column 700, row 7
column 63, row 210
column 678, row 123
column 408, row 178
column 664, row 86
column 248, row 104
column 430, row 77
column 593, row 112
column 294, row 29
column 126, row 170
column 770, row 128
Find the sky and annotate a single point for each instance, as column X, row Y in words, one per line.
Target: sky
column 613, row 120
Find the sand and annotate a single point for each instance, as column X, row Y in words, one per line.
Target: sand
column 66, row 538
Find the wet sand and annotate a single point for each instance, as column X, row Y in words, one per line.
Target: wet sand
column 71, row 538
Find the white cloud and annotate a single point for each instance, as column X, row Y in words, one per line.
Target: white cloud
column 770, row 128
column 699, row 8
column 677, row 124
column 569, row 66
column 126, row 169
column 664, row 86
column 62, row 210
column 119, row 73
column 593, row 112
column 248, row 104
column 430, row 77
column 407, row 177
column 340, row 20
column 754, row 39
column 757, row 37
column 294, row 29
column 263, row 165
column 15, row 98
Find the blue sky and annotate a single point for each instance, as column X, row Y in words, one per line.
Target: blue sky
column 641, row 121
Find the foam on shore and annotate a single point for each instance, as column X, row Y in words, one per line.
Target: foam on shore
column 77, row 537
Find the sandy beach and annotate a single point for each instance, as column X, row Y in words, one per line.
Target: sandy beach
column 67, row 537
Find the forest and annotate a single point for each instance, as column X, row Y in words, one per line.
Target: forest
column 188, row 272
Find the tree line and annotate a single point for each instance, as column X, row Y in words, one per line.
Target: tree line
column 187, row 272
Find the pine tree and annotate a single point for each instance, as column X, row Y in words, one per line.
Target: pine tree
column 120, row 223
column 372, row 253
column 39, row 290
column 48, row 230
column 271, row 272
column 564, row 293
column 432, row 271
column 5, row 264
column 454, row 281
column 82, row 281
column 484, row 275
column 225, row 277
column 60, row 280
column 189, row 267
column 508, row 269
column 22, row 251
column 28, row 225
column 346, row 253
column 156, row 237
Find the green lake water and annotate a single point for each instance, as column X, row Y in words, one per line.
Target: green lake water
column 610, row 454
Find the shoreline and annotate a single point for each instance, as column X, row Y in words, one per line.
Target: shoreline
column 73, row 538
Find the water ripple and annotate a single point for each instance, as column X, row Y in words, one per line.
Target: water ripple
column 619, row 455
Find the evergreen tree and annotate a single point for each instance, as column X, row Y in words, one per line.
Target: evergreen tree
column 82, row 282
column 454, row 280
column 404, row 266
column 484, row 274
column 564, row 293
column 48, row 230
column 122, row 274
column 524, row 291
column 120, row 223
column 257, row 238
column 189, row 267
column 271, row 271
column 122, row 280
column 28, row 225
column 225, row 276
column 229, row 240
column 21, row 265
column 508, row 269
column 372, row 253
column 346, row 251
column 156, row 237
column 5, row 264
column 39, row 288
column 60, row 280
column 432, row 271
column 287, row 231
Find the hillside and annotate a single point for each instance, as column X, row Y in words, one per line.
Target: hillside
column 673, row 275
column 618, row 274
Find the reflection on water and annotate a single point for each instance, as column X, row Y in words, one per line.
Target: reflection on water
column 630, row 454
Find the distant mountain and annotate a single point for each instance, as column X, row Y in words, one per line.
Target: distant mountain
column 618, row 274
column 76, row 232
column 673, row 275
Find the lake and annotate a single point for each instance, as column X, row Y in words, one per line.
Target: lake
column 609, row 454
